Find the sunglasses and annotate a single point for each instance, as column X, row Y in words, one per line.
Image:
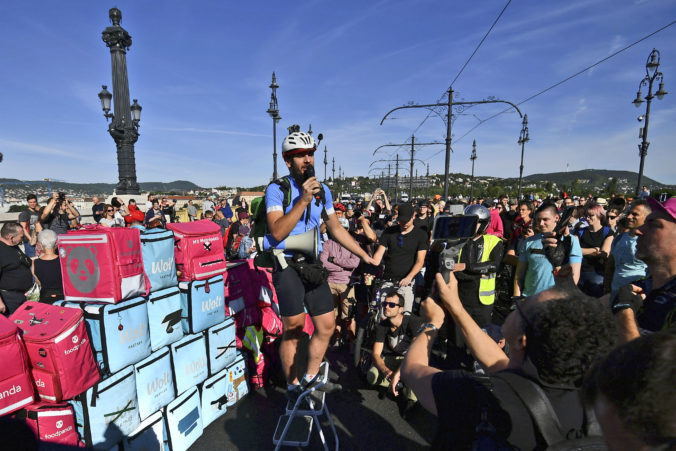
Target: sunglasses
column 612, row 217
column 109, row 211
column 390, row 304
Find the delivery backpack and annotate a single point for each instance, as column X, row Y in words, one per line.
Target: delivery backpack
column 108, row 411
column 259, row 211
column 199, row 249
column 119, row 333
column 157, row 248
column 189, row 359
column 148, row 436
column 213, row 397
column 164, row 317
column 184, row 420
column 221, row 345
column 51, row 423
column 59, row 350
column 154, row 382
column 202, row 303
column 102, row 264
column 16, row 386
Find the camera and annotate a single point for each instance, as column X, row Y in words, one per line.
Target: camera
column 62, row 196
column 449, row 235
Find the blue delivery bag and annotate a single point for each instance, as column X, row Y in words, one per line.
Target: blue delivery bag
column 189, row 359
column 154, row 382
column 203, row 304
column 213, row 397
column 118, row 332
column 221, row 345
column 164, row 317
column 108, row 411
column 184, row 420
column 148, row 436
column 157, row 249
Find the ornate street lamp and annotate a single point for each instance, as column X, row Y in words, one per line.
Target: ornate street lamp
column 471, row 183
column 125, row 120
column 273, row 111
column 652, row 74
column 524, row 137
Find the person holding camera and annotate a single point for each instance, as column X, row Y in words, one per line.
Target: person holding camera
column 298, row 208
column 380, row 203
column 58, row 213
column 551, row 250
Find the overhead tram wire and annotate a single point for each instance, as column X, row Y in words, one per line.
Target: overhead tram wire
column 555, row 85
column 464, row 65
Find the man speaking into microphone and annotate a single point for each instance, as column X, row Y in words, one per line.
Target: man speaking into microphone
column 294, row 207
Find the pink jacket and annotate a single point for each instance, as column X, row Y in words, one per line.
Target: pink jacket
column 344, row 261
column 495, row 226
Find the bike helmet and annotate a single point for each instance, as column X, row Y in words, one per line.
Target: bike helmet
column 298, row 142
column 482, row 213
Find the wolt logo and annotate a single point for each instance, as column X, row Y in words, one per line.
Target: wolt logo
column 83, row 269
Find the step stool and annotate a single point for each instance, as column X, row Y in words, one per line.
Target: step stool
column 294, row 428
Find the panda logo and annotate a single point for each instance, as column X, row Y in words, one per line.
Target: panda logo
column 83, row 268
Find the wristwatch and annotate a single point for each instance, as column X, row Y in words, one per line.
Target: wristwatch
column 426, row 326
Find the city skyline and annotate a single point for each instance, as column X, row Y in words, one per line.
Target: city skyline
column 201, row 73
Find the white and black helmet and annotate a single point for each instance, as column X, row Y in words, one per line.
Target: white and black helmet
column 482, row 213
column 298, row 142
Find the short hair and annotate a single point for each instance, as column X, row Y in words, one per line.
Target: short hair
column 641, row 202
column 595, row 210
column 31, row 196
column 399, row 297
column 10, row 229
column 567, row 334
column 528, row 204
column 115, row 203
column 638, row 379
column 132, row 200
column 155, row 201
column 47, row 238
column 548, row 206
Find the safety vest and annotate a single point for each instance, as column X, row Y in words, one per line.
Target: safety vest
column 487, row 282
column 253, row 339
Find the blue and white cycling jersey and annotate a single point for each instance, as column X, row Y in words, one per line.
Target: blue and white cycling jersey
column 274, row 202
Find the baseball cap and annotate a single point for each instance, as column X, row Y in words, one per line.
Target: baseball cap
column 405, row 212
column 668, row 206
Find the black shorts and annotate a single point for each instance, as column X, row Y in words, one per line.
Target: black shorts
column 293, row 294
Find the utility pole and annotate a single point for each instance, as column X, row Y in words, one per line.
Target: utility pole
column 340, row 177
column 333, row 172
column 389, row 185
column 471, row 184
column 410, row 191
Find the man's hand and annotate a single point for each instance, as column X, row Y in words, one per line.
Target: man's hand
column 549, row 240
column 310, row 187
column 527, row 232
column 369, row 260
column 432, row 312
column 448, row 293
column 393, row 383
column 406, row 281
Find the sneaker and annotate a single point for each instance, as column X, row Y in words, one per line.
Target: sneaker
column 328, row 387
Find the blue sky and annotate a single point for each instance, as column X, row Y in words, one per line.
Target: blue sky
column 201, row 71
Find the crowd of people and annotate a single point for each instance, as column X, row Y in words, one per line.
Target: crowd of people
column 558, row 296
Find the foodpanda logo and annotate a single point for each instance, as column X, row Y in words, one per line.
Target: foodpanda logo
column 59, row 424
column 74, row 338
column 82, row 267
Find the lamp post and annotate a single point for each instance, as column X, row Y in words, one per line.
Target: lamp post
column 471, row 183
column 523, row 139
column 273, row 111
column 325, row 163
column 652, row 74
column 449, row 114
column 125, row 119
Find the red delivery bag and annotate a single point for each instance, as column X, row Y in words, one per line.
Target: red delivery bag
column 102, row 264
column 52, row 423
column 16, row 386
column 59, row 350
column 199, row 249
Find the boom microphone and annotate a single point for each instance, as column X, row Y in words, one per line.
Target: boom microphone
column 310, row 172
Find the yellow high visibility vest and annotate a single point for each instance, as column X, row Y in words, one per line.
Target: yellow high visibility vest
column 487, row 282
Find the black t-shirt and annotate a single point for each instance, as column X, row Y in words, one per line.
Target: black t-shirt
column 15, row 269
column 460, row 398
column 508, row 218
column 401, row 250
column 591, row 239
column 97, row 211
column 424, row 224
column 397, row 341
column 48, row 272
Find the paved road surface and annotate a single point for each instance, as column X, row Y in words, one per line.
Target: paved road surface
column 363, row 421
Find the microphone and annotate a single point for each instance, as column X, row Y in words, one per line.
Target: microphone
column 310, row 172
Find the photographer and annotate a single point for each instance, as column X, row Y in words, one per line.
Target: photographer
column 545, row 252
column 382, row 204
column 58, row 213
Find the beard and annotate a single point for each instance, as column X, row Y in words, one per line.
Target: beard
column 297, row 174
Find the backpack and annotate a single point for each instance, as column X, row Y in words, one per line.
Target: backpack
column 606, row 231
column 263, row 257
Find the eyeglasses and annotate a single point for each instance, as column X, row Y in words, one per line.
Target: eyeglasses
column 611, row 217
column 390, row 304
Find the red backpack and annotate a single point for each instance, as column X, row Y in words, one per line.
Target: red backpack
column 199, row 249
column 52, row 423
column 16, row 386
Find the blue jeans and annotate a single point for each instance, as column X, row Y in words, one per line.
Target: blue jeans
column 591, row 283
column 28, row 250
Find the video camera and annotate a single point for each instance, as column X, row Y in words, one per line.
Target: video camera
column 449, row 235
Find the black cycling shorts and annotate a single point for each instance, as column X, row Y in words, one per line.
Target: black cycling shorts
column 293, row 294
